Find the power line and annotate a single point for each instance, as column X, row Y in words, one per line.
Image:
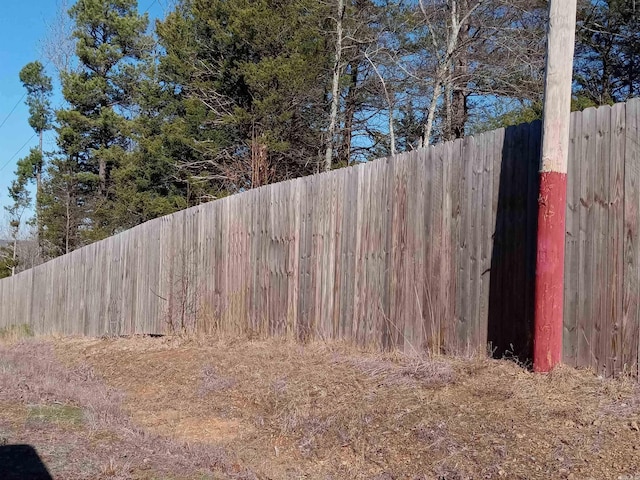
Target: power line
column 12, row 110
column 16, row 154
column 150, row 5
column 24, row 95
column 45, row 66
column 22, row 98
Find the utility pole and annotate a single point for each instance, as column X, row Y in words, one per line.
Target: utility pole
column 552, row 199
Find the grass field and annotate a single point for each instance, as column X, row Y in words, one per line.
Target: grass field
column 171, row 408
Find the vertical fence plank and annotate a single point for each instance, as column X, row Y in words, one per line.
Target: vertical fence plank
column 572, row 244
column 531, row 138
column 351, row 241
column 485, row 146
column 631, row 305
column 495, row 304
column 371, row 304
column 419, row 234
column 361, row 237
column 615, row 236
column 293, row 266
column 385, row 324
column 410, row 277
column 303, row 323
column 587, row 254
column 429, row 295
column 534, row 152
column 601, row 205
column 337, row 258
column 434, row 242
column 397, row 265
column 475, row 242
column 459, row 175
column 502, row 325
column 325, row 264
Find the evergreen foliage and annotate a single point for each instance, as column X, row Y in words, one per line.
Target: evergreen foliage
column 228, row 95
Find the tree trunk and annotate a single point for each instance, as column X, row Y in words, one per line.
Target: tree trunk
column 68, row 225
column 38, row 191
column 391, row 100
column 460, row 108
column 260, row 168
column 39, row 171
column 459, row 18
column 428, row 126
column 392, row 134
column 103, row 177
column 344, row 155
column 15, row 254
column 335, row 88
column 460, row 112
column 448, row 89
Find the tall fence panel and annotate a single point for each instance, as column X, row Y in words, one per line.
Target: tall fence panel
column 432, row 249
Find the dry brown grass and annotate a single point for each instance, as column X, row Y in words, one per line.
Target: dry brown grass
column 212, row 381
column 77, row 424
column 278, row 410
column 407, row 371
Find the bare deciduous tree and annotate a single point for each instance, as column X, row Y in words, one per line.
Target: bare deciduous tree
column 58, row 45
column 444, row 33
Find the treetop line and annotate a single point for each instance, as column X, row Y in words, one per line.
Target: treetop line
column 221, row 96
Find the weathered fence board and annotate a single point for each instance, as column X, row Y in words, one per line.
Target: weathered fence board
column 631, row 279
column 572, row 245
column 431, row 249
column 599, row 334
column 616, row 235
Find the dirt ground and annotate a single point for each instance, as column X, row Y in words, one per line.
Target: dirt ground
column 171, row 408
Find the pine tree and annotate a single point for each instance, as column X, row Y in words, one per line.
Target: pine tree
column 65, row 206
column 39, row 90
column 6, row 262
column 94, row 132
column 147, row 183
column 252, row 79
column 21, row 201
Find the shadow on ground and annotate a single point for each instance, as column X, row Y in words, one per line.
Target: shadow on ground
column 22, row 462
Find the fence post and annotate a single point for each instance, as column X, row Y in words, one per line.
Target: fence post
column 547, row 341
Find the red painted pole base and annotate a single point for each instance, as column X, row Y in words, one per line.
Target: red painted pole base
column 547, row 340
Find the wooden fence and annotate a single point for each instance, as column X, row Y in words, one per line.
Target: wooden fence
column 431, row 249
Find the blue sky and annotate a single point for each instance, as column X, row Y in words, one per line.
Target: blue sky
column 23, row 27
